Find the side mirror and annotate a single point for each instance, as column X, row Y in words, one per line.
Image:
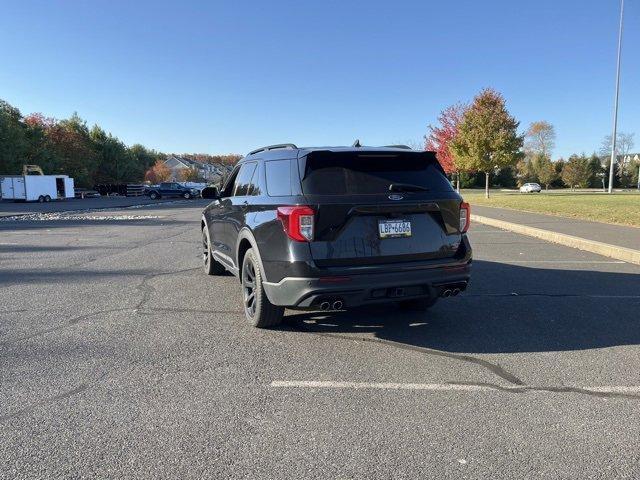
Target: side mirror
column 210, row 192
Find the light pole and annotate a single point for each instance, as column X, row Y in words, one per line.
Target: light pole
column 615, row 104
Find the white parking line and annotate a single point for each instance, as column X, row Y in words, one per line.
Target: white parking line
column 453, row 387
column 563, row 261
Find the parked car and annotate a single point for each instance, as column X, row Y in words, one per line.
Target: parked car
column 337, row 227
column 171, row 189
column 530, row 188
column 86, row 193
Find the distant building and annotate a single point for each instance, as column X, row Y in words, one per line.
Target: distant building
column 208, row 172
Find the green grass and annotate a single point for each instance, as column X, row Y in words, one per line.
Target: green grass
column 620, row 208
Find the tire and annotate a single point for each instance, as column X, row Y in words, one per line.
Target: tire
column 186, row 196
column 418, row 303
column 260, row 312
column 47, row 198
column 41, row 199
column 211, row 265
column 154, row 195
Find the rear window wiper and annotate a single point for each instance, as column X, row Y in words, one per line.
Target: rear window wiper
column 407, row 187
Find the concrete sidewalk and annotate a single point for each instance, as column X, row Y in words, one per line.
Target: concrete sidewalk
column 619, row 242
column 617, row 235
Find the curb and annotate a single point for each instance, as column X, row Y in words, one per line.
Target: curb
column 604, row 249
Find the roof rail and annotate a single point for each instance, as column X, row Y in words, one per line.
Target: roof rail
column 406, row 147
column 273, row 147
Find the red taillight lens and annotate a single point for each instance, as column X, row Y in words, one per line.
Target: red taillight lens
column 465, row 216
column 297, row 222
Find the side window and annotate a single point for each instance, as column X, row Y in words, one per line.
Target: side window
column 243, row 180
column 278, row 173
column 229, row 183
column 254, row 187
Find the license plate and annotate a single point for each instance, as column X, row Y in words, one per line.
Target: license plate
column 394, row 228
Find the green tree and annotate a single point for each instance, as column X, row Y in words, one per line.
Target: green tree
column 596, row 172
column 487, row 138
column 13, row 140
column 546, row 171
column 525, row 172
column 116, row 164
column 144, row 158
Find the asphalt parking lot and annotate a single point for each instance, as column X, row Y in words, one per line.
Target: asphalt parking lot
column 120, row 358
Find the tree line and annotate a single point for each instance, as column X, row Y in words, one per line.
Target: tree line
column 479, row 144
column 90, row 155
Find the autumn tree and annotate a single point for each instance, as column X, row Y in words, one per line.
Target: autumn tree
column 487, row 137
column 158, row 173
column 189, row 175
column 540, row 139
column 69, row 140
column 576, row 172
column 440, row 136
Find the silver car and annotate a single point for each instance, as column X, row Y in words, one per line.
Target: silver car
column 530, row 188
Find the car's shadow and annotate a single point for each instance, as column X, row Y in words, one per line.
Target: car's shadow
column 508, row 308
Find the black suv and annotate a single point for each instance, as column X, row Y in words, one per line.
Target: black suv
column 337, row 227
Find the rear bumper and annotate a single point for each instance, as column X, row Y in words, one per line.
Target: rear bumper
column 356, row 290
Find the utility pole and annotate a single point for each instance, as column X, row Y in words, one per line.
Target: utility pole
column 615, row 104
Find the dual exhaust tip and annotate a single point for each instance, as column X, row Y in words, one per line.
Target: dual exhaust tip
column 327, row 305
column 450, row 292
column 336, row 305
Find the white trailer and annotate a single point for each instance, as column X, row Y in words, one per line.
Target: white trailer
column 37, row 188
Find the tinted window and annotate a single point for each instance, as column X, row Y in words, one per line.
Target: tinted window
column 229, row 182
column 328, row 173
column 278, row 178
column 254, row 186
column 243, row 180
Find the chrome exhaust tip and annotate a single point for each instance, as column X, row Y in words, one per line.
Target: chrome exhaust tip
column 324, row 306
column 446, row 293
column 337, row 305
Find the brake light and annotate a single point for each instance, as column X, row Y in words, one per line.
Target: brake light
column 297, row 222
column 465, row 216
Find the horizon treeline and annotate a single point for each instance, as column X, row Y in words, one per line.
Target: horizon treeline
column 69, row 146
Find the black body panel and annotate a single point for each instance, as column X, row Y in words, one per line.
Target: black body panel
column 347, row 242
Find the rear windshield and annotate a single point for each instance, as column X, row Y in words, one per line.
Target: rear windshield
column 328, row 173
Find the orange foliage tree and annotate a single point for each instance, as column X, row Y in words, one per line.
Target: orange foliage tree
column 158, row 173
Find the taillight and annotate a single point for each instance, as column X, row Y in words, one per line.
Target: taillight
column 465, row 217
column 297, row 222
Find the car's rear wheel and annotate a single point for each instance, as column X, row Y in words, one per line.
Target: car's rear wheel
column 418, row 303
column 186, row 195
column 153, row 195
column 260, row 312
column 210, row 264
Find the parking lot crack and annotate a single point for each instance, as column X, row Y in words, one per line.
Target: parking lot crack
column 494, row 368
column 56, row 398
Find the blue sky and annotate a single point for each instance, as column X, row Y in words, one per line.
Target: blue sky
column 221, row 77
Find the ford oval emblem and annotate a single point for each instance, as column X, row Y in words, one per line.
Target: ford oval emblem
column 395, row 197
